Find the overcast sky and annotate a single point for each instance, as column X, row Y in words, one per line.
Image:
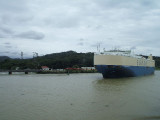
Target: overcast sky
column 50, row 26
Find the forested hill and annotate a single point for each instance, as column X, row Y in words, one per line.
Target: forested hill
column 2, row 58
column 157, row 61
column 55, row 61
column 67, row 59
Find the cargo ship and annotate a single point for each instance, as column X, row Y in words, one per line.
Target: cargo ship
column 119, row 63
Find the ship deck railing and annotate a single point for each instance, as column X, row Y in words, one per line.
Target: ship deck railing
column 119, row 54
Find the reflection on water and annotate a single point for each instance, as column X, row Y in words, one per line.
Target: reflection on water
column 79, row 97
column 149, row 118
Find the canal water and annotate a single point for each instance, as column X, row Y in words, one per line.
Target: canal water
column 79, row 97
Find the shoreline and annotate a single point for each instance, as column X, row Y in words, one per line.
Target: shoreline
column 67, row 72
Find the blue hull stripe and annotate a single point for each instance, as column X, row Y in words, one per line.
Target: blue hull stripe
column 116, row 71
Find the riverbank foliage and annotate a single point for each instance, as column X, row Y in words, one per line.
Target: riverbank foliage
column 55, row 61
column 157, row 62
column 61, row 60
column 67, row 71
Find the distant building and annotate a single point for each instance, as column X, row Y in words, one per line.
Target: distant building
column 17, row 68
column 45, row 68
column 88, row 68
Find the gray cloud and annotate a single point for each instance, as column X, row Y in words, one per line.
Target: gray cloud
column 123, row 23
column 7, row 43
column 97, row 43
column 12, row 6
column 31, row 35
column 80, row 44
column 5, row 30
column 8, row 46
column 5, row 52
column 1, row 36
column 143, row 4
column 81, row 39
column 133, row 47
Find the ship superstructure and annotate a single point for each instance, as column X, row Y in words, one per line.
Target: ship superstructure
column 119, row 63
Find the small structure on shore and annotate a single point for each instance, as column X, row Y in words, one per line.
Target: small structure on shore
column 88, row 68
column 45, row 68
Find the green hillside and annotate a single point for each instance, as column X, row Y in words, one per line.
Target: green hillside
column 55, row 61
column 2, row 58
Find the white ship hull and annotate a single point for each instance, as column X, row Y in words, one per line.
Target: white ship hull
column 113, row 66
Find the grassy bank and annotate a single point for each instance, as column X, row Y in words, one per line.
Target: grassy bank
column 157, row 68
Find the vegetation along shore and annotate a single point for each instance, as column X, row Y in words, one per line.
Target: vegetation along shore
column 70, row 59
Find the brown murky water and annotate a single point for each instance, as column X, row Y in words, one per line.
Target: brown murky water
column 79, row 97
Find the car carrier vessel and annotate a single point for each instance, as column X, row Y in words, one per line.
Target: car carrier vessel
column 119, row 63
